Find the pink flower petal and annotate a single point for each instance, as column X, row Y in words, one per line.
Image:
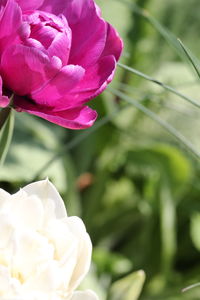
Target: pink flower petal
column 114, row 44
column 29, row 4
column 97, row 74
column 74, row 10
column 90, row 33
column 90, row 41
column 4, row 100
column 53, row 6
column 75, row 118
column 89, row 30
column 94, row 82
column 59, row 86
column 61, row 47
column 48, row 32
column 25, row 69
column 10, row 21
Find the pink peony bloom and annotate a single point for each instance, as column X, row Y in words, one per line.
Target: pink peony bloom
column 56, row 55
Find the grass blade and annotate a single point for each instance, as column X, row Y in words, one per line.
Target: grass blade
column 164, row 86
column 194, row 61
column 157, row 119
column 190, row 287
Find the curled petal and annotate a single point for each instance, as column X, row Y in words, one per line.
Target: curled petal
column 98, row 10
column 90, row 33
column 25, row 69
column 89, row 30
column 89, row 86
column 114, row 44
column 84, row 254
column 61, row 47
column 65, row 80
column 75, row 118
column 94, row 82
column 97, row 74
column 86, row 49
column 49, row 196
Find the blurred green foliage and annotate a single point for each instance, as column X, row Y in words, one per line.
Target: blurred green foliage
column 135, row 186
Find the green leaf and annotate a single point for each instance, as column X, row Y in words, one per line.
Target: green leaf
column 6, row 137
column 167, row 160
column 129, row 287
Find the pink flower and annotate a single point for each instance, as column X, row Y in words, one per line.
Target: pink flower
column 56, row 55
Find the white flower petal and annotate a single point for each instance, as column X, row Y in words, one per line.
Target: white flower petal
column 61, row 237
column 6, row 230
column 4, row 198
column 4, row 279
column 49, row 196
column 77, row 227
column 30, row 250
column 85, row 295
column 27, row 211
column 47, row 279
column 44, row 254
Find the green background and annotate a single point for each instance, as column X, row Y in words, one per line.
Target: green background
column 135, row 184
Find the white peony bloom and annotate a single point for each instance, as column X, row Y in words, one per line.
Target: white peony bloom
column 44, row 254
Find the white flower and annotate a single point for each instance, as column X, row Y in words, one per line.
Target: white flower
column 44, row 254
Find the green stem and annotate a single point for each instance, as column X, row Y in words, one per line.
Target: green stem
column 4, row 115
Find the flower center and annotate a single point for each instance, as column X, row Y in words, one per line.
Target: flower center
column 40, row 29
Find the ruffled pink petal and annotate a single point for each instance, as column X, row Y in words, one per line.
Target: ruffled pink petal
column 89, row 41
column 10, row 21
column 47, row 32
column 76, row 118
column 25, row 69
column 74, row 10
column 59, row 86
column 4, row 100
column 61, row 47
column 94, row 82
column 29, row 4
column 89, row 30
column 97, row 74
column 90, row 38
column 114, row 44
